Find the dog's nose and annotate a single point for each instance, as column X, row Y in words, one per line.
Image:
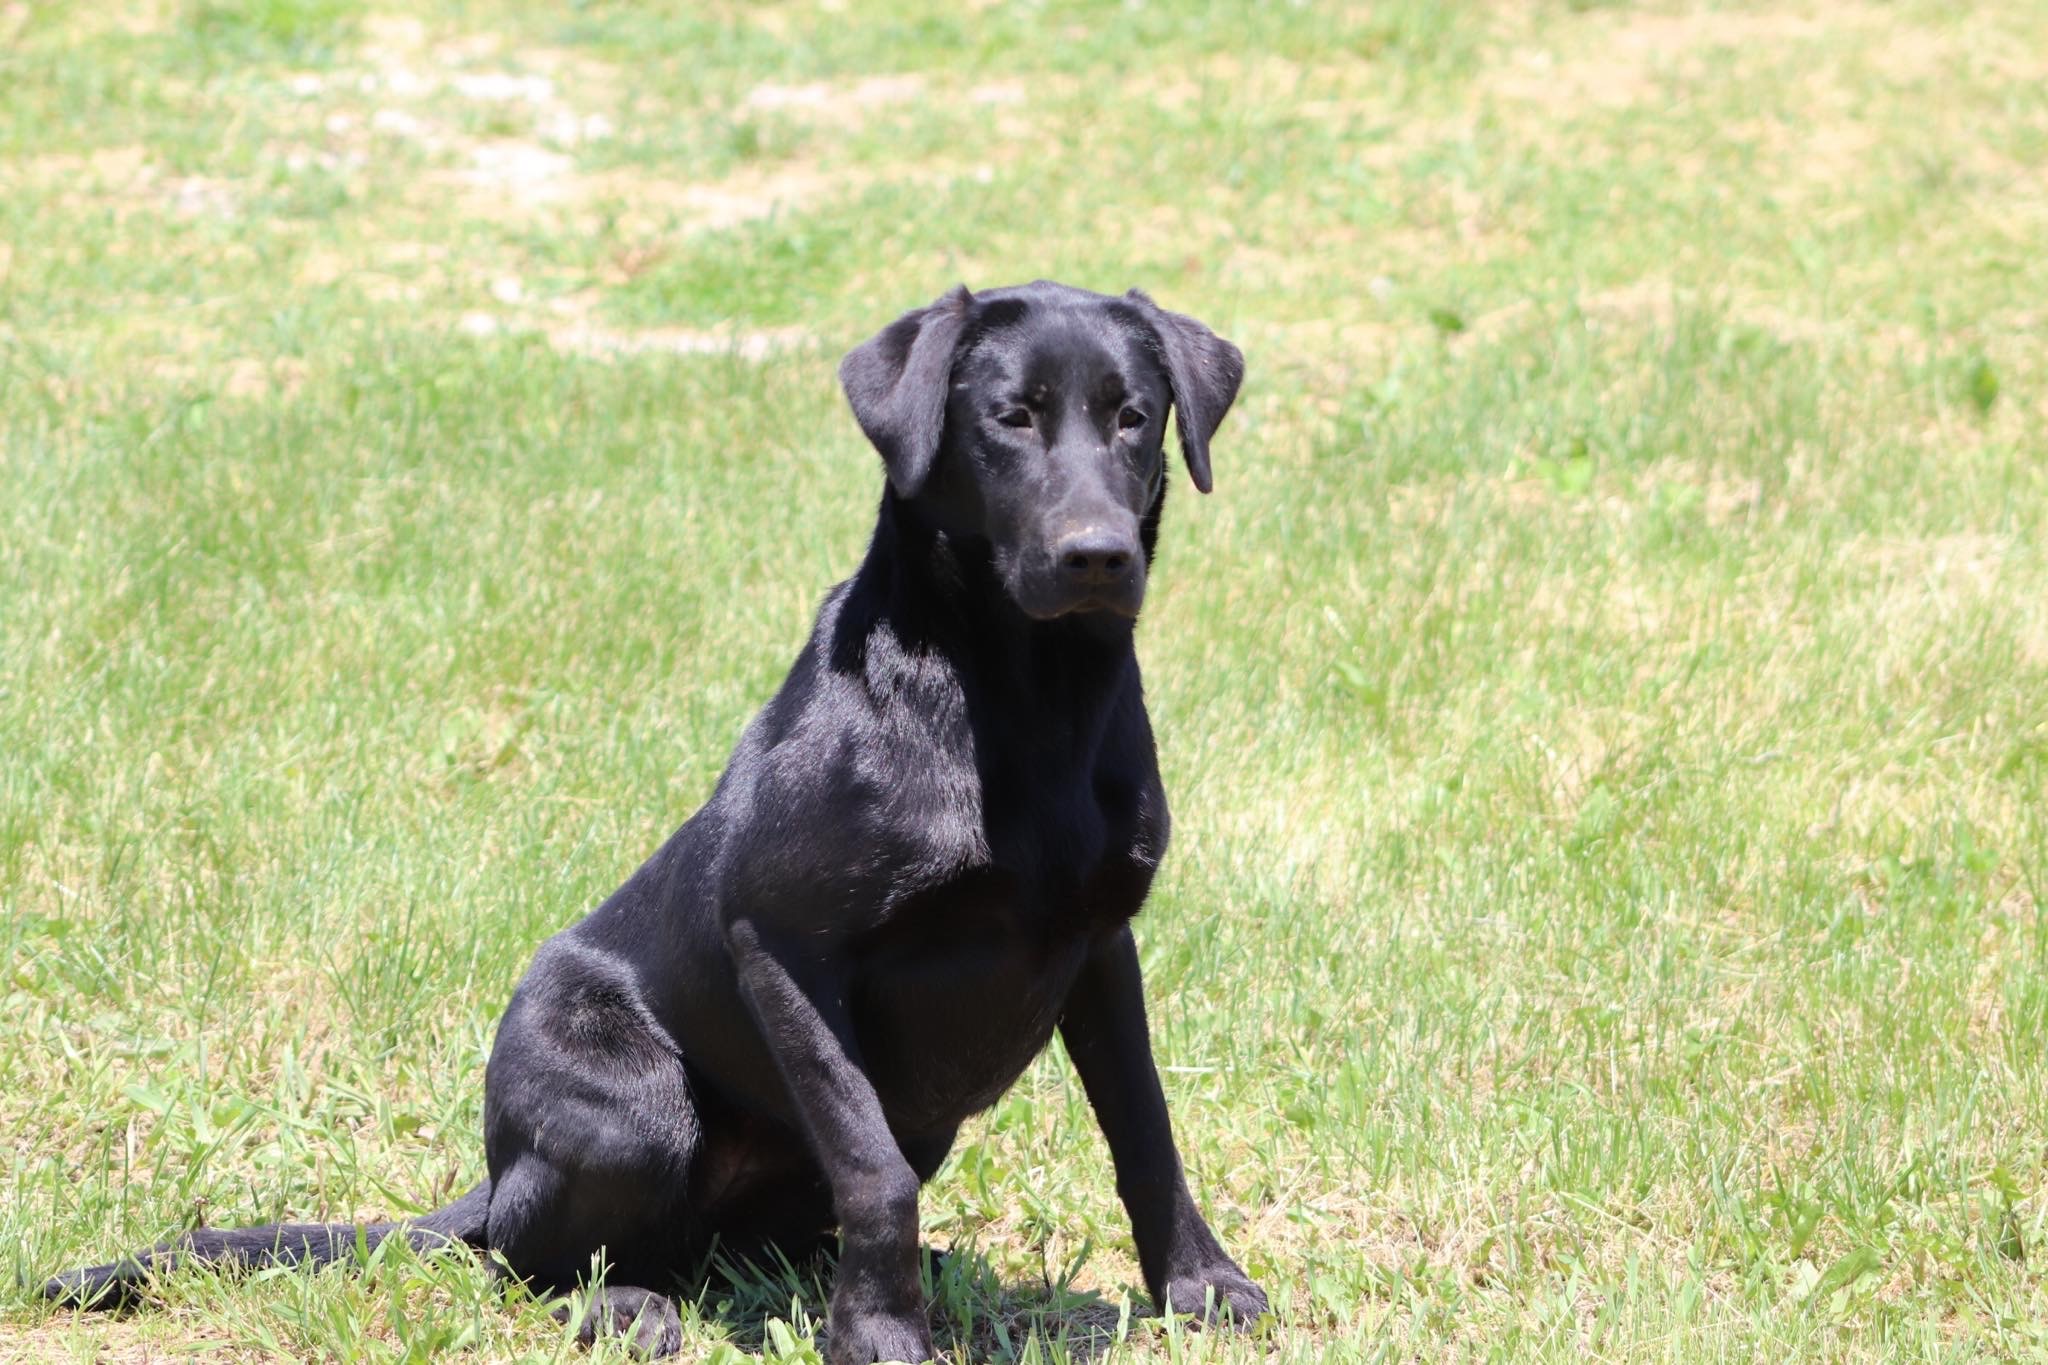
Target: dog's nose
column 1095, row 556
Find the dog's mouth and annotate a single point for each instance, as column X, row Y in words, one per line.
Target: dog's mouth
column 1043, row 594
column 1122, row 607
column 1086, row 606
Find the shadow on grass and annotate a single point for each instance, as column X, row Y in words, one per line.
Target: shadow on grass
column 770, row 1304
column 766, row 1306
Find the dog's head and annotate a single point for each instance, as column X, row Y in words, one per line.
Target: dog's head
column 1034, row 418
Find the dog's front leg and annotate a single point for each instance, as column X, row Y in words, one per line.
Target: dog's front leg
column 1105, row 1032
column 800, row 1005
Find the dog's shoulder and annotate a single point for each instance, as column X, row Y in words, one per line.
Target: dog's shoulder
column 856, row 783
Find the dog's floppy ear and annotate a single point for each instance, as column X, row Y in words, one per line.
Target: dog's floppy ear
column 1205, row 371
column 896, row 383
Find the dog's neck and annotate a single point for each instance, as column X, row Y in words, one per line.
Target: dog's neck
column 940, row 591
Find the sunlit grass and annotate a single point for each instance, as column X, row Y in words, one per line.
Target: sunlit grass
column 1605, row 701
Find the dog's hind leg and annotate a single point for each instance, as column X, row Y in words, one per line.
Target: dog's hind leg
column 591, row 1131
column 553, row 1243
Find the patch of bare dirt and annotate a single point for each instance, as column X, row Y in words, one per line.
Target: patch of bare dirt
column 1826, row 144
column 1639, row 57
column 999, row 92
column 644, row 202
column 249, row 377
column 1724, row 497
column 1655, row 304
column 1969, row 558
column 754, row 344
column 1923, row 582
column 400, row 65
column 570, row 333
column 520, row 172
column 108, row 1340
column 137, row 18
column 711, row 205
column 1614, row 606
column 2033, row 639
column 835, row 100
column 125, row 177
column 1634, row 60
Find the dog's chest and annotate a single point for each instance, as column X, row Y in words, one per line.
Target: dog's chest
column 964, row 984
column 959, row 993
column 1041, row 851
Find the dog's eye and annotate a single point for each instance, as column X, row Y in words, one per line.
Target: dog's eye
column 1130, row 419
column 1014, row 417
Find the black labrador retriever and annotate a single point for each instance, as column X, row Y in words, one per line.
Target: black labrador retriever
column 923, row 858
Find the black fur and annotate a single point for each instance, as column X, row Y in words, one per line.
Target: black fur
column 921, row 861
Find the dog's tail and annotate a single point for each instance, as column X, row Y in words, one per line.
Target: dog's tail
column 119, row 1283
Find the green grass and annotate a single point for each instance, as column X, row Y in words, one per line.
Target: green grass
column 1605, row 701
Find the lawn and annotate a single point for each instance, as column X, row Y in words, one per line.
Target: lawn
column 1605, row 701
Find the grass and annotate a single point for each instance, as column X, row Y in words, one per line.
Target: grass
column 1605, row 700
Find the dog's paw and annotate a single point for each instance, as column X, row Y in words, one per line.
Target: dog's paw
column 1215, row 1294
column 856, row 1338
column 648, row 1321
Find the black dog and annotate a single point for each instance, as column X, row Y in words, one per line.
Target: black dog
column 922, row 859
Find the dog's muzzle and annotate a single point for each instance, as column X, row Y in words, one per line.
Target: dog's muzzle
column 1094, row 568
